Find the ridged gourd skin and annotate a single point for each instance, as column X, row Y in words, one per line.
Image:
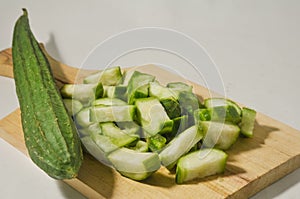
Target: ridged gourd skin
column 50, row 135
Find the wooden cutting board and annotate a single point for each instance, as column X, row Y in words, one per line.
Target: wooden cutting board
column 253, row 164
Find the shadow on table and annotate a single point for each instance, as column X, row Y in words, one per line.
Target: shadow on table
column 68, row 191
column 52, row 48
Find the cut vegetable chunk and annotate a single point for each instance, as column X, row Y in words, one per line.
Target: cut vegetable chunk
column 133, row 164
column 219, row 135
column 108, row 102
column 202, row 114
column 200, row 164
column 161, row 92
column 152, row 116
column 179, row 87
column 172, row 107
column 167, row 97
column 112, row 113
column 119, row 137
column 141, row 92
column 138, row 86
column 110, row 77
column 140, row 146
column 221, row 102
column 248, row 121
column 105, row 143
column 189, row 102
column 85, row 93
column 95, row 150
column 73, row 106
column 115, row 92
column 156, row 142
column 219, row 114
column 93, row 128
column 228, row 113
column 129, row 127
column 180, row 124
column 82, row 118
column 180, row 145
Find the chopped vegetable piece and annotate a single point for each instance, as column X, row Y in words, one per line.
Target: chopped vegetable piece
column 167, row 97
column 109, row 77
column 93, row 128
column 180, row 124
column 223, row 102
column 180, row 145
column 129, row 127
column 199, row 164
column 172, row 107
column 179, row 87
column 105, row 143
column 73, row 106
column 219, row 135
column 119, row 137
column 94, row 150
column 85, row 93
column 161, row 92
column 248, row 121
column 138, row 86
column 115, row 92
column 156, row 142
column 133, row 164
column 140, row 146
column 202, row 114
column 219, row 113
column 140, row 92
column 82, row 118
column 112, row 113
column 152, row 116
column 109, row 102
column 228, row 114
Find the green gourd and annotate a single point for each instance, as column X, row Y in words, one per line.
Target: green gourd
column 50, row 135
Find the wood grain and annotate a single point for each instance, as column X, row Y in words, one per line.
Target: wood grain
column 253, row 163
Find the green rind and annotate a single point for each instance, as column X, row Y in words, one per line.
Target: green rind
column 200, row 164
column 248, row 121
column 50, row 136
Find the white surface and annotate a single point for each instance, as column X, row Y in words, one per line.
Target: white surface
column 255, row 44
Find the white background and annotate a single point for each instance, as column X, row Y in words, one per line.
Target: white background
column 255, row 44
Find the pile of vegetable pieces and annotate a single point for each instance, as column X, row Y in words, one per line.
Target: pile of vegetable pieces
column 134, row 123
